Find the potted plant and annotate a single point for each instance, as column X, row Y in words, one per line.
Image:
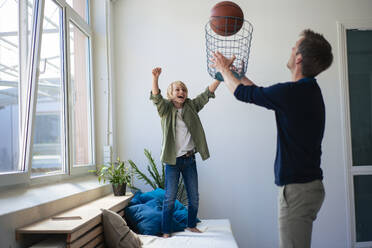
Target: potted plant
column 117, row 174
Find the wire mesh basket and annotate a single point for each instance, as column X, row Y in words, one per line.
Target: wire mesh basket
column 238, row 44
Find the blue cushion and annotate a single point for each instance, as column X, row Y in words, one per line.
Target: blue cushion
column 136, row 199
column 144, row 213
column 181, row 216
column 155, row 194
column 145, row 217
column 158, row 194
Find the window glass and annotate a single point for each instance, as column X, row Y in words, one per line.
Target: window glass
column 80, row 109
column 359, row 52
column 48, row 141
column 9, row 86
column 363, row 206
column 30, row 12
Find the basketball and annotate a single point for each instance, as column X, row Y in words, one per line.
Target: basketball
column 226, row 18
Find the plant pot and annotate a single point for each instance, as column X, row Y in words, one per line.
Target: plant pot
column 119, row 189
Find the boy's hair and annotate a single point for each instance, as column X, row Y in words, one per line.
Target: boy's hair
column 172, row 85
column 316, row 53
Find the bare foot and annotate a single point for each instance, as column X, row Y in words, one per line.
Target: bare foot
column 166, row 235
column 194, row 229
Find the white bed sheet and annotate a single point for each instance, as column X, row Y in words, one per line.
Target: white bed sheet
column 216, row 234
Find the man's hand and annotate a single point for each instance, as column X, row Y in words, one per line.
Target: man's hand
column 221, row 63
column 240, row 70
column 156, row 72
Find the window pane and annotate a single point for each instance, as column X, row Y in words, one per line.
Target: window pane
column 363, row 206
column 80, row 110
column 9, row 86
column 47, row 151
column 81, row 7
column 359, row 47
column 30, row 9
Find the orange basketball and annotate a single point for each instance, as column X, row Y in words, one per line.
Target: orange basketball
column 226, row 18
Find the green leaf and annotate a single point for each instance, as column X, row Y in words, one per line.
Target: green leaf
column 152, row 165
column 154, row 184
column 140, row 175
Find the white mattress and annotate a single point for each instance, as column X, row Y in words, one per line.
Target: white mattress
column 216, row 234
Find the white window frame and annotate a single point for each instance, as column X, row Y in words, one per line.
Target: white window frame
column 22, row 175
column 350, row 170
column 78, row 22
column 29, row 96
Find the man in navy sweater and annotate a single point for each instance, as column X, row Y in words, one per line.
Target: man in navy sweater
column 300, row 117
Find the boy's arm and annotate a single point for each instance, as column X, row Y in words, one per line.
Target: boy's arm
column 156, row 97
column 203, row 98
column 155, row 80
column 212, row 88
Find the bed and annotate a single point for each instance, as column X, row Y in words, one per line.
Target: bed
column 217, row 233
column 88, row 230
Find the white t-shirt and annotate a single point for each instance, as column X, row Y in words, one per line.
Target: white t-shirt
column 184, row 141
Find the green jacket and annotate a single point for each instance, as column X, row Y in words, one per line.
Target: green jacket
column 167, row 113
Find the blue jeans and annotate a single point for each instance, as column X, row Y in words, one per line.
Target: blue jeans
column 187, row 167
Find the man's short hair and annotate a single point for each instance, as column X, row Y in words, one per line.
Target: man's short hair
column 316, row 53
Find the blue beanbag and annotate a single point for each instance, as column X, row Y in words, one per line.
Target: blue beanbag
column 144, row 213
column 145, row 218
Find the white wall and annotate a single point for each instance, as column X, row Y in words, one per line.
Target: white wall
column 237, row 182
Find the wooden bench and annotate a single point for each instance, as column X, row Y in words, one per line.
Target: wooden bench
column 81, row 226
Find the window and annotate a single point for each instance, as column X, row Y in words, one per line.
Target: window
column 47, row 150
column 79, row 85
column 45, row 86
column 9, row 86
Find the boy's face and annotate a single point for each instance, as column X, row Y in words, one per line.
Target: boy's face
column 179, row 94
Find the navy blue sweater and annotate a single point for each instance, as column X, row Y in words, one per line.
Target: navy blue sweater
column 300, row 118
